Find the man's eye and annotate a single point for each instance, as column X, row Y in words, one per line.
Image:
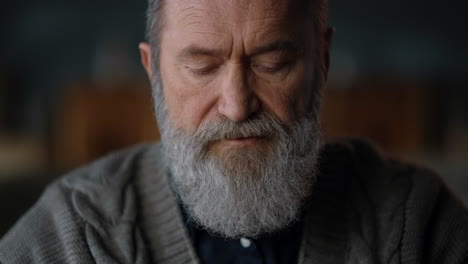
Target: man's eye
column 271, row 67
column 201, row 71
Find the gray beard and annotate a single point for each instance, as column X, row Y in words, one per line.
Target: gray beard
column 244, row 191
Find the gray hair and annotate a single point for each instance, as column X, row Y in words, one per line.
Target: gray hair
column 154, row 18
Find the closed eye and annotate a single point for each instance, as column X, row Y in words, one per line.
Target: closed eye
column 271, row 67
column 201, row 71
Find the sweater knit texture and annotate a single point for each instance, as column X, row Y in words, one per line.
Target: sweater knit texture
column 365, row 208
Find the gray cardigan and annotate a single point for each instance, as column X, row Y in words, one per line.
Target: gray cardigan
column 364, row 209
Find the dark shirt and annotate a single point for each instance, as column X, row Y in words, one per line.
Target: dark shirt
column 281, row 247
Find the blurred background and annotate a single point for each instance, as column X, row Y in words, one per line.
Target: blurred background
column 72, row 88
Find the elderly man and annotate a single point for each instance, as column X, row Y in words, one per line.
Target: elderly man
column 241, row 174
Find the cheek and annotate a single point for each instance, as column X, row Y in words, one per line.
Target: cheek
column 286, row 98
column 188, row 103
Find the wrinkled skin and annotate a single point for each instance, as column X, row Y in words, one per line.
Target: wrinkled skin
column 234, row 58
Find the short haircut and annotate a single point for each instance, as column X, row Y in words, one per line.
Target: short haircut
column 155, row 17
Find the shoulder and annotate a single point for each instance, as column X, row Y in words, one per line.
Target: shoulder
column 86, row 206
column 104, row 189
column 400, row 210
column 380, row 176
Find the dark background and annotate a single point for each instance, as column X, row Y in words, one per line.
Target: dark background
column 72, row 88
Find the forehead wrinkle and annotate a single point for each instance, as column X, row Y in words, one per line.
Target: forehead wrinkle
column 190, row 16
column 268, row 7
column 253, row 22
column 262, row 32
column 193, row 10
column 260, row 36
column 196, row 14
column 269, row 20
column 214, row 39
column 264, row 29
column 208, row 33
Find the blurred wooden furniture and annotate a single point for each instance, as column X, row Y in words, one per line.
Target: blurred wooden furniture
column 93, row 120
column 393, row 114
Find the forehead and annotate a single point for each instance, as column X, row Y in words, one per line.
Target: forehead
column 228, row 20
column 228, row 10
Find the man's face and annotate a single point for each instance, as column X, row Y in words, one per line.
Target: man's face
column 232, row 59
column 238, row 112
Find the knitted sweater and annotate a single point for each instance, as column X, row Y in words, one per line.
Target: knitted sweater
column 364, row 209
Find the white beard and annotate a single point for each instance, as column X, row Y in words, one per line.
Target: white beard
column 246, row 191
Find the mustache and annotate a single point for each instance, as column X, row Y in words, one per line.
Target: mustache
column 258, row 125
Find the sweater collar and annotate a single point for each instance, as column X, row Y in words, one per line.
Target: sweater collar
column 324, row 236
column 160, row 217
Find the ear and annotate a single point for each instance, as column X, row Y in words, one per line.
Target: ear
column 145, row 53
column 328, row 37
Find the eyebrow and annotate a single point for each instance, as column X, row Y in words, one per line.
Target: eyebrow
column 193, row 51
column 279, row 45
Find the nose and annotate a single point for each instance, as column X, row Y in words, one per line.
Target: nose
column 237, row 100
